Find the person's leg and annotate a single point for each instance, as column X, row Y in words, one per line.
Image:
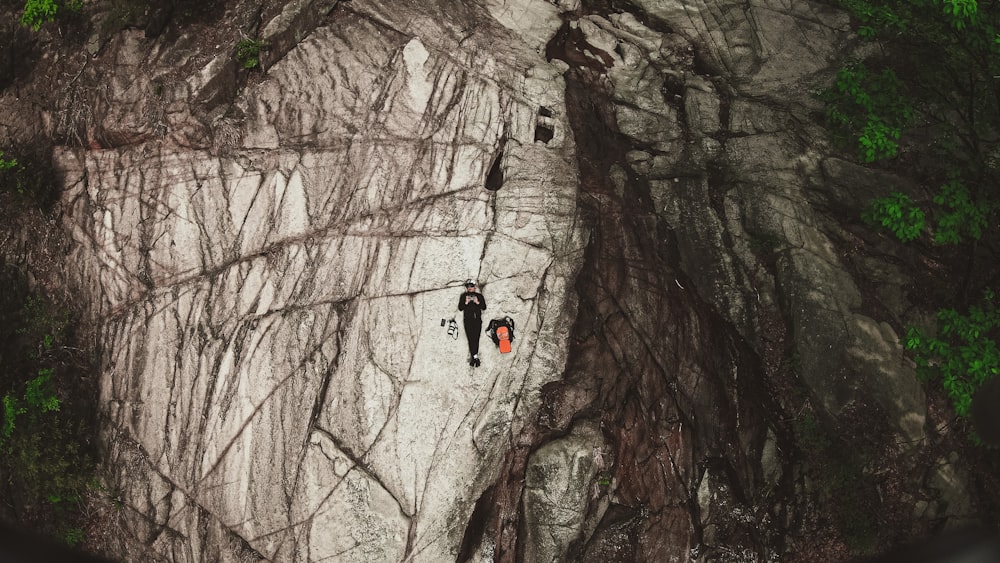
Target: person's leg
column 474, row 339
column 472, row 329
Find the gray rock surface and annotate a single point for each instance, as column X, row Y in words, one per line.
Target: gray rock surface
column 272, row 311
column 269, row 256
column 762, row 202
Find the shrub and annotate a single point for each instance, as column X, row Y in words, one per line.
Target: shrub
column 957, row 217
column 73, row 536
column 960, row 13
column 837, row 467
column 963, row 354
column 248, row 53
column 38, row 12
column 47, row 413
column 874, row 18
column 868, row 108
column 11, row 410
column 27, row 177
column 7, row 163
column 897, row 213
column 960, row 216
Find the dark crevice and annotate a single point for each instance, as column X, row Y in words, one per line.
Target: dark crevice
column 570, row 45
column 543, row 133
column 19, row 53
column 242, row 549
column 317, row 410
column 705, row 66
column 725, row 111
column 495, row 177
column 607, row 7
column 476, row 528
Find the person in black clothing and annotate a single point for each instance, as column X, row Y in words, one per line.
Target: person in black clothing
column 472, row 304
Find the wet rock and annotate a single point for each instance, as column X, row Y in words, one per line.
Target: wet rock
column 560, row 478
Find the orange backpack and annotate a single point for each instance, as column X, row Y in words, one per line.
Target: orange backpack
column 503, row 333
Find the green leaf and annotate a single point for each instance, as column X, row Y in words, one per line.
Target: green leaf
column 37, row 12
column 898, row 214
column 965, row 353
column 248, row 53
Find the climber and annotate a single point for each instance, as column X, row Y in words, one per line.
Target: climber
column 501, row 331
column 472, row 304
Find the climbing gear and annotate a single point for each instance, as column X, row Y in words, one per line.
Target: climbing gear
column 501, row 331
column 503, row 336
column 453, row 329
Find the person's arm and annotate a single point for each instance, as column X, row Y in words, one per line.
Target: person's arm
column 482, row 301
column 461, row 302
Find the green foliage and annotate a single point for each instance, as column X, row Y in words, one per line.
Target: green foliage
column 963, row 355
column 887, row 18
column 45, row 429
column 957, row 217
column 841, row 482
column 960, row 216
column 874, row 17
column 869, row 108
column 944, row 56
column 38, row 12
column 27, row 178
column 38, row 398
column 39, row 395
column 73, row 536
column 43, row 319
column 11, row 409
column 44, row 457
column 7, row 164
column 897, row 213
column 878, row 140
column 248, row 53
column 959, row 13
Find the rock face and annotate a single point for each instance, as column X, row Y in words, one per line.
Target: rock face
column 276, row 363
column 708, row 273
column 269, row 258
